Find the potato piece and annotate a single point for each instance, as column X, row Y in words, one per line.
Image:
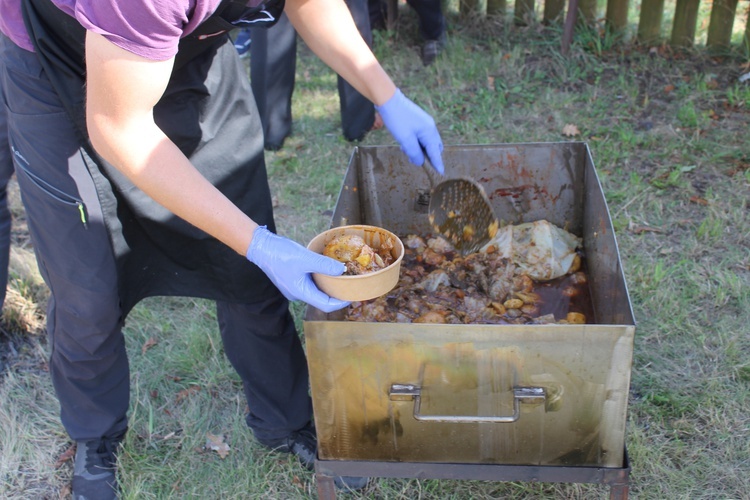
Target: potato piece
column 431, row 317
column 513, row 304
column 344, row 248
column 576, row 318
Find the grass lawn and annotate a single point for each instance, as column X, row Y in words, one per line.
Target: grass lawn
column 670, row 136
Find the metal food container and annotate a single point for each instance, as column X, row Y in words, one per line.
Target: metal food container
column 534, row 394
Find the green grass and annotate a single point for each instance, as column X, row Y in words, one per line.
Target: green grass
column 669, row 135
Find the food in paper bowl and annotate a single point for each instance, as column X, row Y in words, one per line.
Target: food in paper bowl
column 372, row 256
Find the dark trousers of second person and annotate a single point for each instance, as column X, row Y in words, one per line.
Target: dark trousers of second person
column 273, row 60
column 429, row 13
column 88, row 361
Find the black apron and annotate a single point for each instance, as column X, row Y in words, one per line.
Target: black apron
column 209, row 112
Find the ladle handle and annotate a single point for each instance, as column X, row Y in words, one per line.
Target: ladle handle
column 429, row 169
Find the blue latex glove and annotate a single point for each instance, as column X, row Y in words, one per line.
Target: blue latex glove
column 289, row 264
column 413, row 129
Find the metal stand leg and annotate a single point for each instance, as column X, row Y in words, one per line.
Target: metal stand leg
column 326, row 487
column 617, row 478
column 619, row 492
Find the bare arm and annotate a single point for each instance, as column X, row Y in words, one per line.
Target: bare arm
column 122, row 90
column 329, row 30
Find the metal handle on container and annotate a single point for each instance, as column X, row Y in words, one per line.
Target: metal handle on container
column 406, row 392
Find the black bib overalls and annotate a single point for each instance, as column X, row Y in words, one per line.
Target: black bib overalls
column 103, row 245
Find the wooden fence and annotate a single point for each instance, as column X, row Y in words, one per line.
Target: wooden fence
column 719, row 34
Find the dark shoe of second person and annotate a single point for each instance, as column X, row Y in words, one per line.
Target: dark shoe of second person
column 94, row 469
column 431, row 49
column 304, row 444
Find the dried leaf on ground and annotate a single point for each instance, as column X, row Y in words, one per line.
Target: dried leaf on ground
column 187, row 392
column 570, row 130
column 639, row 229
column 65, row 456
column 151, row 342
column 698, row 200
column 217, row 444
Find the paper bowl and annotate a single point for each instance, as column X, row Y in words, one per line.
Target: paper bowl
column 364, row 286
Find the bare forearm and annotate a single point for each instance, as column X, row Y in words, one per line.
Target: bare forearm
column 155, row 165
column 122, row 90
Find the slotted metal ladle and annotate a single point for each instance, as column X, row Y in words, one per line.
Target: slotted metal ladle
column 461, row 212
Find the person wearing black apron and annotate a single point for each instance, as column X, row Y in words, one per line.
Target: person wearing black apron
column 139, row 179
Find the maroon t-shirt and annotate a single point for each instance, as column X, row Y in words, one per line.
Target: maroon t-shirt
column 148, row 28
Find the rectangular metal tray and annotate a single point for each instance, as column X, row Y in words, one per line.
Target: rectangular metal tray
column 495, row 394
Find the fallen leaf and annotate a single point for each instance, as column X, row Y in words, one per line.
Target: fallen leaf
column 217, row 444
column 187, row 392
column 66, row 455
column 490, row 83
column 570, row 130
column 66, row 491
column 148, row 345
column 699, row 200
column 638, row 229
column 739, row 167
column 668, row 89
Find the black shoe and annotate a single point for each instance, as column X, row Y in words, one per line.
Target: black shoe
column 94, row 469
column 304, row 444
column 348, row 483
column 431, row 49
column 270, row 146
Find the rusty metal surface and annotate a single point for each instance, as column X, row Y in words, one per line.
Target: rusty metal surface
column 480, row 472
column 472, row 370
column 618, row 479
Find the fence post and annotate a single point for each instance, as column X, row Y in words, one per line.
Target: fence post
column 497, row 7
column 468, row 7
column 685, row 19
column 720, row 26
column 587, row 11
column 617, row 15
column 570, row 22
column 553, row 11
column 649, row 24
column 523, row 12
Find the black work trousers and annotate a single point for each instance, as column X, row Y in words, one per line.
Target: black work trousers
column 6, row 172
column 273, row 59
column 88, row 361
column 429, row 12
